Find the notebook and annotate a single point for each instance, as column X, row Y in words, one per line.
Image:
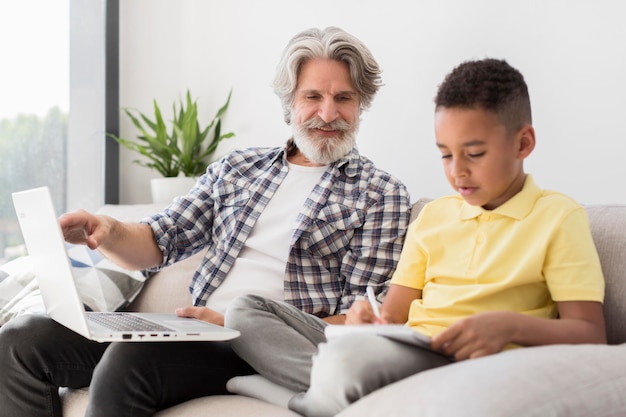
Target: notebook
column 46, row 247
column 397, row 332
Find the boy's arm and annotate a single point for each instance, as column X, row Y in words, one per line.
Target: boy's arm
column 395, row 308
column 578, row 322
column 487, row 333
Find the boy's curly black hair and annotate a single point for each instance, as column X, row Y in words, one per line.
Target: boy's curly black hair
column 489, row 84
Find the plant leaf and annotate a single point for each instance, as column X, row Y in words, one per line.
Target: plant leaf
column 184, row 149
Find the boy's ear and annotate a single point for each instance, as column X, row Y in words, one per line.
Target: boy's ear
column 526, row 141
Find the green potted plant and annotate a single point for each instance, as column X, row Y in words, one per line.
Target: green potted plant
column 179, row 154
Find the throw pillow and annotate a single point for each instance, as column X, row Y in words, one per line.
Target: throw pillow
column 19, row 293
column 102, row 285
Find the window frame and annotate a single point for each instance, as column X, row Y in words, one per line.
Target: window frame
column 93, row 158
column 112, row 114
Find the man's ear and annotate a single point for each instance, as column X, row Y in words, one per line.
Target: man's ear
column 525, row 141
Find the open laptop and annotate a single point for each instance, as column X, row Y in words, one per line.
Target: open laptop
column 46, row 247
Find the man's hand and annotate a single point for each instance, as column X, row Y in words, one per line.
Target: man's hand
column 201, row 313
column 83, row 228
column 130, row 245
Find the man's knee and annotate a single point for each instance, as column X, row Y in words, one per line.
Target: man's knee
column 27, row 343
column 126, row 381
column 120, row 360
column 242, row 310
column 27, row 326
column 22, row 334
column 11, row 335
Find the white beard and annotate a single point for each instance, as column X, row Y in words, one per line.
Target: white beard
column 325, row 150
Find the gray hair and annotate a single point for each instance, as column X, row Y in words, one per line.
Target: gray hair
column 330, row 43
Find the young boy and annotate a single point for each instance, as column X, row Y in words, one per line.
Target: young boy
column 501, row 264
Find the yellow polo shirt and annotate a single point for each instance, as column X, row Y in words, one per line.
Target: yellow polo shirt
column 523, row 256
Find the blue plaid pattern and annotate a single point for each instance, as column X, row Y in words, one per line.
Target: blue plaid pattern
column 348, row 235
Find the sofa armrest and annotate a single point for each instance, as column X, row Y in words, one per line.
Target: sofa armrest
column 556, row 381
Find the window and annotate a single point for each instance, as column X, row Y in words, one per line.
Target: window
column 34, row 107
column 52, row 126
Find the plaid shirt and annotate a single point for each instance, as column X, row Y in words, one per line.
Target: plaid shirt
column 348, row 235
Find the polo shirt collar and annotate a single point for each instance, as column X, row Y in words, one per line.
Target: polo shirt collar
column 517, row 207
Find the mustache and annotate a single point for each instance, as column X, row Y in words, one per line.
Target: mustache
column 317, row 123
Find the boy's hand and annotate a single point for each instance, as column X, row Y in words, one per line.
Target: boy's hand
column 361, row 313
column 479, row 335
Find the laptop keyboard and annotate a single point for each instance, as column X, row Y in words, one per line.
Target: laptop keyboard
column 125, row 322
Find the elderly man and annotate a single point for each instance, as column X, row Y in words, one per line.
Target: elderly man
column 311, row 223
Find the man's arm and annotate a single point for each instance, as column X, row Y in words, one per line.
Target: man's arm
column 376, row 247
column 130, row 245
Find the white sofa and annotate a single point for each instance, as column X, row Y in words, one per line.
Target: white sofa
column 551, row 381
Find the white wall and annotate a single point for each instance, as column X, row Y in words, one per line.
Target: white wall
column 572, row 53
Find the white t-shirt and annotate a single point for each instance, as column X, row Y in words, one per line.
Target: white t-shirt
column 260, row 267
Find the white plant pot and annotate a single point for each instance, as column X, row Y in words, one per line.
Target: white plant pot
column 164, row 190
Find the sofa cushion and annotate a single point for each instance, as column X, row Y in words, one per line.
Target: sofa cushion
column 546, row 381
column 608, row 228
column 75, row 403
column 130, row 212
column 257, row 386
column 168, row 289
column 226, row 405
